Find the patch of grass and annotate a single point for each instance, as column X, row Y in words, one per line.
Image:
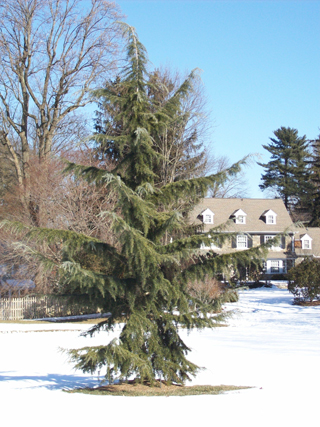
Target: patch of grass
column 133, row 388
column 307, row 303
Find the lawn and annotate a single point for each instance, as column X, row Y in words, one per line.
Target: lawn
column 269, row 345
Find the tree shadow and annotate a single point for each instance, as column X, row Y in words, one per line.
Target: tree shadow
column 273, row 298
column 52, row 381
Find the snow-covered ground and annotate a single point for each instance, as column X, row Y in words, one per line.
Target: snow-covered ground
column 269, row 344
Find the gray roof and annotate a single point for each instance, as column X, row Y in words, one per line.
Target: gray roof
column 254, row 208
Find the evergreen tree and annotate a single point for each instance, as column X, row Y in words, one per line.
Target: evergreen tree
column 180, row 141
column 143, row 278
column 287, row 172
column 314, row 201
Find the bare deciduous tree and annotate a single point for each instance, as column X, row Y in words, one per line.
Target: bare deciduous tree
column 184, row 144
column 52, row 53
column 235, row 186
column 65, row 203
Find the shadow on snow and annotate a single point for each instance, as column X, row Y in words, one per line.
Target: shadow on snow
column 53, row 381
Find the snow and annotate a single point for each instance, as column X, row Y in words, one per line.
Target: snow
column 269, row 344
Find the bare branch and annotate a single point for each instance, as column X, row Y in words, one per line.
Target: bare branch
column 52, row 54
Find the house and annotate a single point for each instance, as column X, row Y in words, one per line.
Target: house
column 254, row 221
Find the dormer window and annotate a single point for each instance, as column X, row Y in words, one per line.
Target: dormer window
column 208, row 219
column 239, row 216
column 306, row 242
column 270, row 217
column 207, row 216
column 241, row 219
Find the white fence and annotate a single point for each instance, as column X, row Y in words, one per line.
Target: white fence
column 39, row 306
column 16, row 308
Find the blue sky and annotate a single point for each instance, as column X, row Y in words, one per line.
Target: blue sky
column 260, row 63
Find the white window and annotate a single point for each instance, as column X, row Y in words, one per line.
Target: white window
column 207, row 216
column 271, row 219
column 239, row 216
column 208, row 219
column 241, row 219
column 275, row 266
column 306, row 244
column 212, row 246
column 268, row 237
column 242, row 241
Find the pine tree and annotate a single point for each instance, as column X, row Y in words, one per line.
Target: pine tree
column 287, row 171
column 143, row 279
column 314, row 201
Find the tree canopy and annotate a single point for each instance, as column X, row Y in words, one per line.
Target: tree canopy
column 287, row 173
column 314, row 200
column 304, row 280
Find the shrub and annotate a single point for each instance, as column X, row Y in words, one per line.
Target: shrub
column 212, row 293
column 304, row 280
column 229, row 295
